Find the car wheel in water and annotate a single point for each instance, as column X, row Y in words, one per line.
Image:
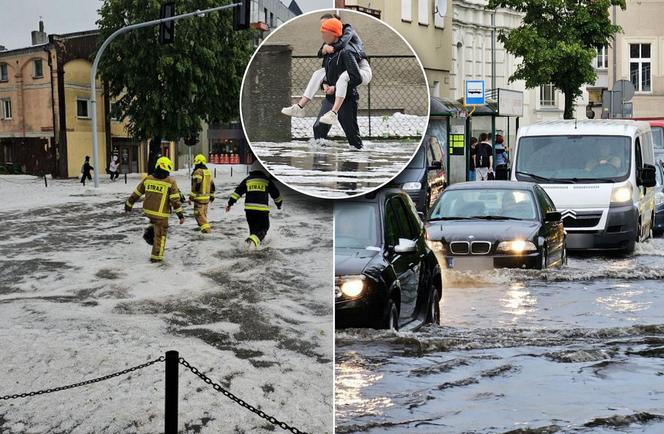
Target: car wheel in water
column 391, row 317
column 544, row 258
column 433, row 317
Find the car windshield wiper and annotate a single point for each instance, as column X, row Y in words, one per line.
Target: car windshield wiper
column 578, row 180
column 432, row 219
column 493, row 217
column 541, row 178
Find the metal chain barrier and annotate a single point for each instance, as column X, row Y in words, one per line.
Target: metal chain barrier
column 83, row 383
column 239, row 401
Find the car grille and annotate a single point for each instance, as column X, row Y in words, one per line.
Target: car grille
column 583, row 220
column 470, row 248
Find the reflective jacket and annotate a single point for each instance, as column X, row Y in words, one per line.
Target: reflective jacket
column 161, row 197
column 202, row 185
column 258, row 187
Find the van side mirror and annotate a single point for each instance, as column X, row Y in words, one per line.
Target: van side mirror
column 648, row 176
column 553, row 216
column 435, row 165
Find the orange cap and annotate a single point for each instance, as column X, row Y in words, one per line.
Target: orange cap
column 333, row 26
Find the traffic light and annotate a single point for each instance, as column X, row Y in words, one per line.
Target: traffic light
column 242, row 17
column 167, row 29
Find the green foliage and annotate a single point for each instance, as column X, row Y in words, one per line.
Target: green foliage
column 557, row 41
column 167, row 90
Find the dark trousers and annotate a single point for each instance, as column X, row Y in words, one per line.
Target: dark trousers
column 259, row 223
column 347, row 118
column 84, row 177
column 501, row 172
column 114, row 175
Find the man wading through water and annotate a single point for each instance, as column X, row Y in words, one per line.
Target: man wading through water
column 346, row 60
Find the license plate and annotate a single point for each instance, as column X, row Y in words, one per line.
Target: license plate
column 470, row 263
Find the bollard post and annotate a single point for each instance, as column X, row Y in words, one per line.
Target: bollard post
column 231, row 171
column 171, row 401
column 125, row 177
column 45, row 181
column 215, row 172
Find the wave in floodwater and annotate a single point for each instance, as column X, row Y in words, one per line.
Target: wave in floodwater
column 331, row 169
column 576, row 350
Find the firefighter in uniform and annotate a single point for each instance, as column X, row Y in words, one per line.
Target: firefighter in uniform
column 161, row 197
column 202, row 192
column 258, row 187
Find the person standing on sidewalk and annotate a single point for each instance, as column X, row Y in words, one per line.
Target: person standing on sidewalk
column 484, row 159
column 502, row 158
column 472, row 160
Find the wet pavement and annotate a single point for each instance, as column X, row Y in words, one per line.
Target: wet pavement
column 576, row 350
column 335, row 169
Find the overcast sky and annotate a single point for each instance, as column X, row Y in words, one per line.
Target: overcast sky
column 19, row 17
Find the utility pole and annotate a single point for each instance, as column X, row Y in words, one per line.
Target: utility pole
column 493, row 51
column 95, row 65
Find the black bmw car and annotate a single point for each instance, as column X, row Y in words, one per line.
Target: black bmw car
column 386, row 275
column 497, row 224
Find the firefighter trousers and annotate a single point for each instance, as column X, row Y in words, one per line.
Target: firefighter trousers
column 259, row 224
column 200, row 212
column 160, row 227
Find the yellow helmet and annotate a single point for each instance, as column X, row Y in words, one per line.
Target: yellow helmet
column 200, row 159
column 164, row 163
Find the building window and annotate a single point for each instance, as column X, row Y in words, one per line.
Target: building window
column 423, row 12
column 440, row 10
column 639, row 67
column 271, row 20
column 83, row 108
column 4, row 75
column 435, row 89
column 407, row 10
column 547, row 96
column 6, row 108
column 602, row 59
column 37, row 68
column 265, row 15
column 116, row 112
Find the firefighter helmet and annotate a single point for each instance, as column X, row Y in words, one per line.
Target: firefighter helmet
column 200, row 159
column 164, row 163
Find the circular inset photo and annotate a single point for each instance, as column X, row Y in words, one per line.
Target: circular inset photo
column 334, row 103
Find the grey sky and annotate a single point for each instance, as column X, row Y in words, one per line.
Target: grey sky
column 19, row 17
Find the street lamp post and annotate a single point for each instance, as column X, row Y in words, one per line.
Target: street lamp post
column 95, row 65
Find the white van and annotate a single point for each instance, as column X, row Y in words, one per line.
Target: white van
column 600, row 175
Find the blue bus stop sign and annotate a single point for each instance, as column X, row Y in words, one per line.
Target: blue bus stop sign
column 475, row 92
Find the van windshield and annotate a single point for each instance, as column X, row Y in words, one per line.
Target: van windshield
column 572, row 159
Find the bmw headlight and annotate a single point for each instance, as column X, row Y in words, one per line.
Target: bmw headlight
column 412, row 186
column 353, row 286
column 516, row 246
column 621, row 194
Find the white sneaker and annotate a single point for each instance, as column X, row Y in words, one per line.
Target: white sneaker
column 329, row 118
column 295, row 111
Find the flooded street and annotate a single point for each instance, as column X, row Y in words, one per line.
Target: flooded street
column 577, row 350
column 335, row 169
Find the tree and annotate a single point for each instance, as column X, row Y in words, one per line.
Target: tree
column 557, row 42
column 165, row 91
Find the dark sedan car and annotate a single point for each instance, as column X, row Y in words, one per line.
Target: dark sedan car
column 479, row 225
column 424, row 178
column 386, row 276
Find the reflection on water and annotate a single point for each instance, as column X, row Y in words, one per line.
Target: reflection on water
column 334, row 170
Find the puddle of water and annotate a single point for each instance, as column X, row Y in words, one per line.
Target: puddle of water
column 334, row 169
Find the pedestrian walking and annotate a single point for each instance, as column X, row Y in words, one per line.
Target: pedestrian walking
column 472, row 159
column 114, row 168
column 86, row 168
column 202, row 192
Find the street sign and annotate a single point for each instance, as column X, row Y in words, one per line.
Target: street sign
column 475, row 92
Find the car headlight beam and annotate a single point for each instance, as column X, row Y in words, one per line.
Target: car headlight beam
column 622, row 194
column 353, row 286
column 516, row 246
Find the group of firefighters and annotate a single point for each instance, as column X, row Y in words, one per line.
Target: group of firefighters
column 162, row 197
